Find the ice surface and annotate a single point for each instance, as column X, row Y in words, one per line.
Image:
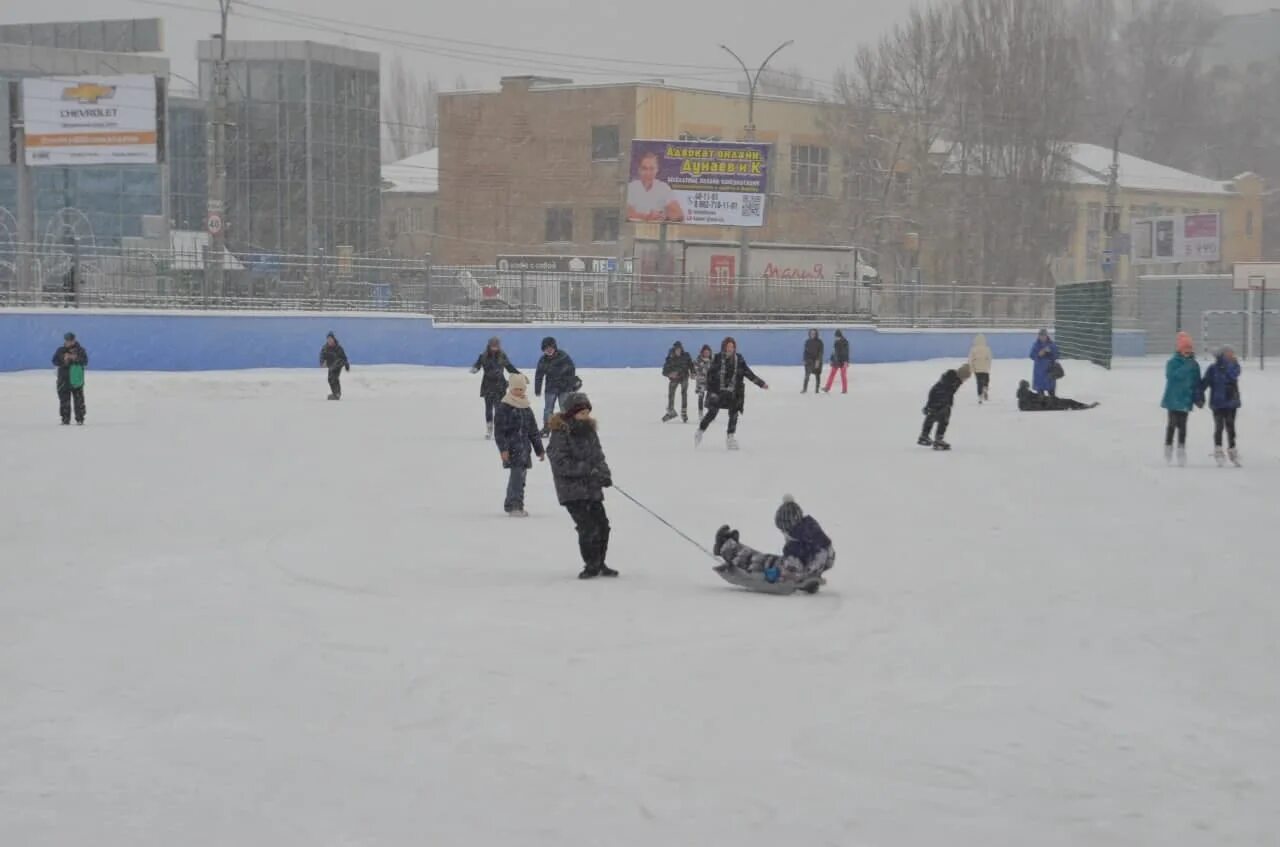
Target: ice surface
column 233, row 613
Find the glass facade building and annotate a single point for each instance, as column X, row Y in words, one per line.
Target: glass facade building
column 188, row 157
column 303, row 157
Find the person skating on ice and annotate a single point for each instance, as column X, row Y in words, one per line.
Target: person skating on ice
column 70, row 359
column 1044, row 353
column 1182, row 393
column 980, row 364
column 515, row 431
column 677, row 368
column 701, row 365
column 726, row 389
column 559, row 375
column 1029, row 401
column 813, row 352
column 839, row 364
column 937, row 409
column 581, row 475
column 1222, row 381
column 493, row 385
column 333, row 357
column 807, row 552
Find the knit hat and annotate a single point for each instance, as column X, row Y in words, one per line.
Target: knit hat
column 495, row 342
column 548, row 342
column 839, row 334
column 510, row 399
column 518, row 381
column 677, row 346
column 1185, row 344
column 788, row 515
column 70, row 336
column 576, row 402
column 963, row 372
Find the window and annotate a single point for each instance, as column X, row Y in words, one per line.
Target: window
column 604, row 225
column 1248, row 224
column 809, row 170
column 1095, row 216
column 604, row 144
column 418, row 221
column 559, row 225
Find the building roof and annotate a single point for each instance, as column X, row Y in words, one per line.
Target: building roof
column 1090, row 164
column 418, row 174
column 544, row 84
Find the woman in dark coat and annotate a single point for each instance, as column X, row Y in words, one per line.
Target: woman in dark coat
column 726, row 389
column 813, row 350
column 516, row 433
column 493, row 385
column 581, row 476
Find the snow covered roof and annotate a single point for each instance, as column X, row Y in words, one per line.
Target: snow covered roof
column 418, row 174
column 1090, row 164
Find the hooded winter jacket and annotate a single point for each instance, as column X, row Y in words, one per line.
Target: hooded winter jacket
column 1222, row 381
column 980, row 355
column 577, row 460
column 1181, row 384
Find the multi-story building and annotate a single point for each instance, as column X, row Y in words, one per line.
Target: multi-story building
column 187, row 132
column 540, row 165
column 303, row 164
column 410, row 213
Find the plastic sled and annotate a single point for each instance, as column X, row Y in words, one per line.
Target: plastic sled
column 756, row 582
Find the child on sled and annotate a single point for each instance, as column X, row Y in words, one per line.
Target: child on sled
column 806, row 555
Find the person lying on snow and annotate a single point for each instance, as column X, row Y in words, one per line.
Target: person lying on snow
column 1029, row 401
column 806, row 555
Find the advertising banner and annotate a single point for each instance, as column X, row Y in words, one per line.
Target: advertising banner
column 710, row 183
column 1177, row 238
column 90, row 120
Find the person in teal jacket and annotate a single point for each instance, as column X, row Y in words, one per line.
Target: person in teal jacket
column 1182, row 392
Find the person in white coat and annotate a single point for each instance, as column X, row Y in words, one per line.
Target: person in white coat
column 980, row 364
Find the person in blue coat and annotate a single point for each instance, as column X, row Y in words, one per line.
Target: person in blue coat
column 1182, row 393
column 1045, row 355
column 1222, row 381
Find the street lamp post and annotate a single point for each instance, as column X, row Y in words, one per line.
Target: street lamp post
column 749, row 133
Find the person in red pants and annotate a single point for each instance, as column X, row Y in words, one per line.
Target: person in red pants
column 839, row 364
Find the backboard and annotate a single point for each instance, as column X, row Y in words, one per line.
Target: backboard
column 1253, row 276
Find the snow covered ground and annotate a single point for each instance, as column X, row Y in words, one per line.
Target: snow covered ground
column 234, row 613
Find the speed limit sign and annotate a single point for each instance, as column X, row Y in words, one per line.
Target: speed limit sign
column 215, row 224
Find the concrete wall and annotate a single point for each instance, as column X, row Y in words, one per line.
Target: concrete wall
column 188, row 341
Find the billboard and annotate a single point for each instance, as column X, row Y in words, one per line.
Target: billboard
column 90, row 120
column 1177, row 238
column 711, row 183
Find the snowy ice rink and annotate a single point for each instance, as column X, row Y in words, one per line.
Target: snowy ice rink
column 233, row 613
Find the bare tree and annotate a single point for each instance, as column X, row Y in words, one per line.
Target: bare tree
column 411, row 121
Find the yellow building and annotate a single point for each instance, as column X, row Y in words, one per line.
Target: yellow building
column 1146, row 190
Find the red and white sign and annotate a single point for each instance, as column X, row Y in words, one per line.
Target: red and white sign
column 215, row 224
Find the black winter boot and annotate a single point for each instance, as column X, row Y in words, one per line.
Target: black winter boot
column 605, row 570
column 589, row 572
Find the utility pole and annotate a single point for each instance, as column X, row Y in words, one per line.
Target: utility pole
column 1111, row 218
column 749, row 134
column 215, row 218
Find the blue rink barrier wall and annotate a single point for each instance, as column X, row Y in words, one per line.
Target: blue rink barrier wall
column 208, row 341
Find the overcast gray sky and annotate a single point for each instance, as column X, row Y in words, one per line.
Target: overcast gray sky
column 662, row 37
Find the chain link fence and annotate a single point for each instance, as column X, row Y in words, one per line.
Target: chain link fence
column 69, row 275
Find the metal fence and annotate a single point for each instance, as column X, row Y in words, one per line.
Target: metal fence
column 140, row 278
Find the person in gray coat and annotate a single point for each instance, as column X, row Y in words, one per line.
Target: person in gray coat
column 581, row 474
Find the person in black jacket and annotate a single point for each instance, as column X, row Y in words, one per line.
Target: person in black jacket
column 493, row 385
column 677, row 369
column 516, row 434
column 1030, row 401
column 813, row 349
column 937, row 409
column 726, row 389
column 66, row 356
column 839, row 364
column 557, row 370
column 581, row 475
column 333, row 357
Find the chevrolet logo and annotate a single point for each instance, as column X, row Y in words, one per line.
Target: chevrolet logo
column 88, row 92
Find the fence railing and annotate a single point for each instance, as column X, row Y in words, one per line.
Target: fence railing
column 135, row 278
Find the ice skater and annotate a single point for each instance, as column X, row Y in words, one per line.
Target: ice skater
column 493, row 385
column 677, row 369
column 71, row 359
column 980, row 364
column 937, row 410
column 515, row 431
column 813, row 350
column 1222, row 381
column 1044, row 375
column 333, row 357
column 560, row 375
column 701, row 365
column 1182, row 393
column 581, row 474
column 839, row 364
column 1029, row 401
column 726, row 389
column 806, row 554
